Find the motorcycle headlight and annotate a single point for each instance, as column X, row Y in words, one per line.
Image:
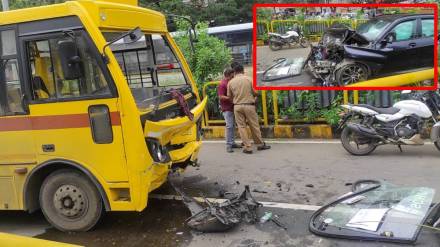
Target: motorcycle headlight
column 158, row 152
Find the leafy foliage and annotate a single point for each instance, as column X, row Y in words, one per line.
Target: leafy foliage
column 313, row 111
column 210, row 55
column 18, row 4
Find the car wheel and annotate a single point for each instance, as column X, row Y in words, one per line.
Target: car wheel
column 351, row 73
column 70, row 201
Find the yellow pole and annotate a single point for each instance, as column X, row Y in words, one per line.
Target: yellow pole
column 355, row 97
column 264, row 105
column 275, row 105
column 346, row 97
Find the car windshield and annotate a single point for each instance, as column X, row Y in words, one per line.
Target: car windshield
column 371, row 29
column 150, row 66
column 376, row 211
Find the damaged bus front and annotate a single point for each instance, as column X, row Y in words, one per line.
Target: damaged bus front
column 165, row 96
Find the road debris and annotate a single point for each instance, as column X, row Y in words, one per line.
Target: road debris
column 310, row 185
column 266, row 217
column 278, row 223
column 279, row 186
column 220, row 216
column 259, row 191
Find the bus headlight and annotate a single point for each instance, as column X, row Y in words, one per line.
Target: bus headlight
column 158, row 152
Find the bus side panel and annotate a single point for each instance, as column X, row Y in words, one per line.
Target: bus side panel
column 67, row 129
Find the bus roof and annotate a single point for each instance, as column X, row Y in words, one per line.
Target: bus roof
column 105, row 14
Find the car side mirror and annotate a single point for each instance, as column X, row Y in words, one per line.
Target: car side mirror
column 70, row 59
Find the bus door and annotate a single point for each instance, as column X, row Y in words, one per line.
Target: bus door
column 74, row 106
column 17, row 150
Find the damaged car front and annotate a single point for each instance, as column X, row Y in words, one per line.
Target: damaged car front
column 382, row 46
column 333, row 52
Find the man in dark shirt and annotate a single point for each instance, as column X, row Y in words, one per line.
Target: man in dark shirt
column 228, row 110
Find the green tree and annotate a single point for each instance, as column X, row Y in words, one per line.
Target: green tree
column 210, row 55
column 19, row 4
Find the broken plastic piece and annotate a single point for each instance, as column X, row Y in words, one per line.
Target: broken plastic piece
column 221, row 216
column 267, row 216
column 284, row 68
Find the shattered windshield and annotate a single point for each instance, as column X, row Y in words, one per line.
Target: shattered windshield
column 378, row 211
column 150, row 66
column 371, row 29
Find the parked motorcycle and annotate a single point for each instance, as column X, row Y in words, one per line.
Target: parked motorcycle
column 291, row 37
column 366, row 127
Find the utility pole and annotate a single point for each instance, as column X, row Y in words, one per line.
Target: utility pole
column 5, row 5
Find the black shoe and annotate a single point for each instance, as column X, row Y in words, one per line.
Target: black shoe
column 247, row 151
column 263, row 147
column 229, row 150
column 235, row 145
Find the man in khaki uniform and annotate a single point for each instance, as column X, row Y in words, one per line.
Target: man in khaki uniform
column 243, row 96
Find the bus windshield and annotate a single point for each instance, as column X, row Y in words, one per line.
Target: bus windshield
column 149, row 65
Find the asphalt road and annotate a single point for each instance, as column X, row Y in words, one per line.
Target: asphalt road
column 299, row 172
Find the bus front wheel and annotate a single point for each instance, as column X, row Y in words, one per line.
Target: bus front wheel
column 70, row 201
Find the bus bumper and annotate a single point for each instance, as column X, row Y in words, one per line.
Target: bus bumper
column 187, row 155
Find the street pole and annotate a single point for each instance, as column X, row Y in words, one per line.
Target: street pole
column 5, row 5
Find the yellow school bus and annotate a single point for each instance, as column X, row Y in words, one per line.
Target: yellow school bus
column 97, row 104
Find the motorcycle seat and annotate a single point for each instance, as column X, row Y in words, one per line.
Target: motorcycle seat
column 388, row 110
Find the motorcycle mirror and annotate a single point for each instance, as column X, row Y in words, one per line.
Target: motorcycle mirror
column 406, row 91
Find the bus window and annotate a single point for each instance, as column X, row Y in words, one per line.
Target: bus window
column 148, row 65
column 10, row 83
column 169, row 72
column 47, row 75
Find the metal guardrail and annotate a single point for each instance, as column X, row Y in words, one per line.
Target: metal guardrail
column 325, row 98
column 313, row 29
column 263, row 29
column 281, row 26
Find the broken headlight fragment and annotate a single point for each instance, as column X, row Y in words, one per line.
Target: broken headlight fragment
column 377, row 211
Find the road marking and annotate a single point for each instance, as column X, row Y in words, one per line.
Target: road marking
column 265, row 204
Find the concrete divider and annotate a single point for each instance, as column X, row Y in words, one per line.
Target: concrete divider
column 301, row 131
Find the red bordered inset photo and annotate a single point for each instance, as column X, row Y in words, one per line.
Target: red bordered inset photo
column 345, row 46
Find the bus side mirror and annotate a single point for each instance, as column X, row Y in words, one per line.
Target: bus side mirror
column 70, row 59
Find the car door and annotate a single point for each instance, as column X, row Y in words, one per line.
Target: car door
column 425, row 43
column 17, row 150
column 401, row 48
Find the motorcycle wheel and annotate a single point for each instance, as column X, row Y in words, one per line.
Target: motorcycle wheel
column 303, row 42
column 348, row 138
column 274, row 45
column 437, row 145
